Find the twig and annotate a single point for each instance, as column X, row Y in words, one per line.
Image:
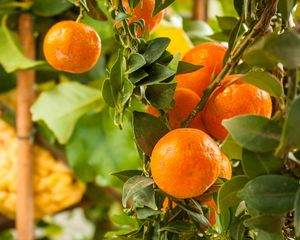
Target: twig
column 25, row 98
column 259, row 28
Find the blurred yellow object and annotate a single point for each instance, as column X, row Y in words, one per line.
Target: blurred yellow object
column 55, row 188
column 180, row 42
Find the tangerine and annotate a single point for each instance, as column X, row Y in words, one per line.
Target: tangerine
column 228, row 101
column 185, row 162
column 185, row 100
column 144, row 10
column 72, row 47
column 210, row 56
column 225, row 169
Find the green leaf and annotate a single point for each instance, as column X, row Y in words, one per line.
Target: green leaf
column 133, row 3
column 160, row 95
column 178, row 227
column 11, row 57
column 160, row 5
column 227, row 196
column 272, row 194
column 285, row 8
column 144, row 213
column 147, row 130
column 262, row 235
column 117, row 76
column 254, row 132
column 107, row 93
column 95, row 11
column 255, row 164
column 135, row 62
column 138, row 75
column 155, row 49
column 48, row 8
column 145, row 197
column 185, row 67
column 227, row 23
column 7, row 80
column 133, row 185
column 126, row 174
column 157, row 73
column 231, row 148
column 267, row 223
column 290, row 134
column 61, row 107
column 264, row 81
column 297, row 213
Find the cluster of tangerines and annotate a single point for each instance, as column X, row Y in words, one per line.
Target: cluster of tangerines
column 186, row 162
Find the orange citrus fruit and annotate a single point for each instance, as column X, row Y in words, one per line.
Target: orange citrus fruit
column 225, row 168
column 72, row 47
column 228, row 101
column 185, row 100
column 144, row 10
column 185, row 162
column 210, row 56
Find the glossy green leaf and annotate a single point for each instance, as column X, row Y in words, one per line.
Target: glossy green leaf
column 66, row 103
column 148, row 130
column 160, row 95
column 117, row 75
column 155, row 48
column 185, row 67
column 255, row 164
column 133, row 185
column 133, row 3
column 297, row 213
column 126, row 174
column 145, row 212
column 227, row 196
column 135, row 62
column 268, row 223
column 138, row 76
column 227, row 23
column 48, row 8
column 285, row 8
column 272, row 194
column 254, row 132
column 178, row 227
column 11, row 57
column 107, row 93
column 160, row 5
column 290, row 134
column 127, row 92
column 264, row 81
column 145, row 197
column 231, row 148
column 157, row 73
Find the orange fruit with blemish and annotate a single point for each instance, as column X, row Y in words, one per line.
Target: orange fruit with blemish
column 210, row 56
column 185, row 101
column 185, row 162
column 232, row 99
column 72, row 47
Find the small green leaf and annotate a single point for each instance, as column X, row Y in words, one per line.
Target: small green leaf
column 264, row 81
column 66, row 103
column 48, row 8
column 95, row 11
column 138, row 76
column 107, row 93
column 160, row 5
column 148, row 130
column 290, row 134
column 185, row 67
column 285, row 8
column 155, row 49
column 160, row 95
column 262, row 235
column 178, row 227
column 227, row 196
column 231, row 148
column 11, row 56
column 133, row 3
column 145, row 197
column 127, row 92
column 272, row 194
column 126, row 174
column 255, row 164
column 157, row 73
column 227, row 23
column 121, row 16
column 116, row 75
column 297, row 213
column 267, row 223
column 133, row 185
column 135, row 62
column 254, row 132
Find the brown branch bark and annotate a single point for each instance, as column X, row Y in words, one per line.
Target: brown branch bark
column 25, row 98
column 200, row 10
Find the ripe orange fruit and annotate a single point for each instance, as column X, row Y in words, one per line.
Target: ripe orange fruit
column 233, row 100
column 210, row 56
column 225, row 168
column 185, row 162
column 166, row 203
column 144, row 11
column 185, row 100
column 72, row 47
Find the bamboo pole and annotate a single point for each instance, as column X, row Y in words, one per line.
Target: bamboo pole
column 25, row 98
column 200, row 10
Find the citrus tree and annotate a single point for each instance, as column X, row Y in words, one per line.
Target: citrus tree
column 197, row 124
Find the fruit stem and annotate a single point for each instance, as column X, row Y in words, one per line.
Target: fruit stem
column 235, row 56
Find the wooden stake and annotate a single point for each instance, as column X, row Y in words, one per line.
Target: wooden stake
column 200, row 10
column 25, row 98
